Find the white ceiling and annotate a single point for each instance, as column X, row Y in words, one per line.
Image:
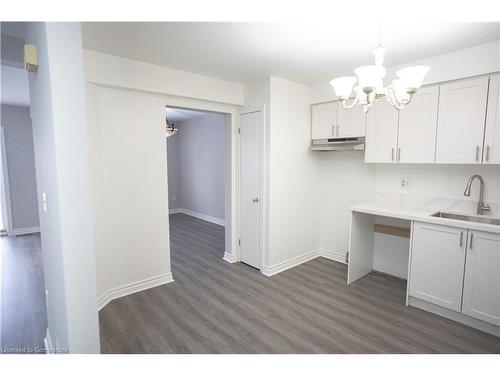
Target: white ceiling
column 15, row 88
column 304, row 52
column 176, row 115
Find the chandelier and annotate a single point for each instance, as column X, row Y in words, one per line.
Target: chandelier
column 371, row 88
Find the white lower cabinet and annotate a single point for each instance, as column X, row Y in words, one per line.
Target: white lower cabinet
column 456, row 268
column 481, row 298
column 437, row 264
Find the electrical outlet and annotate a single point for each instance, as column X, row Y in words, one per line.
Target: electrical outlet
column 404, row 183
column 174, row 197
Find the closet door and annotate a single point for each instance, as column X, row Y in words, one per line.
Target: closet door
column 461, row 117
column 417, row 127
column 381, row 133
column 491, row 152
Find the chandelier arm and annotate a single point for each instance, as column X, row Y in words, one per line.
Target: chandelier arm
column 393, row 100
column 349, row 106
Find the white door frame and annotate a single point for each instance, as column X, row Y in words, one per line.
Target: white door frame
column 263, row 180
column 231, row 250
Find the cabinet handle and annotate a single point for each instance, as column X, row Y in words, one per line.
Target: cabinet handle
column 470, row 244
column 333, row 131
column 477, row 153
column 399, row 153
column 338, row 128
column 488, row 153
column 461, row 239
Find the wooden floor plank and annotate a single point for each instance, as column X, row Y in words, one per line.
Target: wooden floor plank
column 217, row 307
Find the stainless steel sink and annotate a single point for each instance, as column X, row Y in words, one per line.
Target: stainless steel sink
column 476, row 219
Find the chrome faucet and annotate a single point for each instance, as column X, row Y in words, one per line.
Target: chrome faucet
column 481, row 206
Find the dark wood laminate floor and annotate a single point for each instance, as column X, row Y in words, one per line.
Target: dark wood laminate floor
column 23, row 311
column 217, row 307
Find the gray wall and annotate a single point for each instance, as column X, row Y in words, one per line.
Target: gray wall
column 196, row 165
column 173, row 171
column 20, row 161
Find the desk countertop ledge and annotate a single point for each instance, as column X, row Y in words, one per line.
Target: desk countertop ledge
column 423, row 214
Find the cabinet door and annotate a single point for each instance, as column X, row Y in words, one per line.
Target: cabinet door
column 352, row 121
column 462, row 113
column 417, row 127
column 324, row 120
column 381, row 133
column 437, row 264
column 491, row 153
column 482, row 277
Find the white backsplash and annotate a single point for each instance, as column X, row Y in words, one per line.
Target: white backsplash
column 436, row 186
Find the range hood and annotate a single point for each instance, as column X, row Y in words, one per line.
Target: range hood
column 339, row 144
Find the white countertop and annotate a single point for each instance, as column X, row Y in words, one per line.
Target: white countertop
column 424, row 214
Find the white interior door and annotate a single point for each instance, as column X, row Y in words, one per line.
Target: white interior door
column 251, row 188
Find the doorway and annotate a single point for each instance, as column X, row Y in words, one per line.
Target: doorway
column 199, row 185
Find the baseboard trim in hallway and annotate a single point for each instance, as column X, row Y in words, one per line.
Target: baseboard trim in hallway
column 294, row 262
column 199, row 215
column 230, row 258
column 132, row 288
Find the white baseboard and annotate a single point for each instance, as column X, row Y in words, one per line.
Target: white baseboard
column 229, row 258
column 21, row 231
column 332, row 255
column 287, row 264
column 47, row 342
column 131, row 288
column 199, row 215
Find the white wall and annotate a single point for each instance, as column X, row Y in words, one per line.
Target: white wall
column 294, row 190
column 197, row 164
column 20, row 161
column 129, row 185
column 431, row 182
column 61, row 156
column 117, row 71
column 136, row 183
column 345, row 180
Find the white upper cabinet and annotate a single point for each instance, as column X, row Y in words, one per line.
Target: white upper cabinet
column 461, row 119
column 417, row 127
column 491, row 151
column 381, row 134
column 351, row 122
column 324, row 120
column 437, row 264
column 481, row 297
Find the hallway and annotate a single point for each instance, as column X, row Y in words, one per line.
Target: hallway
column 23, row 311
